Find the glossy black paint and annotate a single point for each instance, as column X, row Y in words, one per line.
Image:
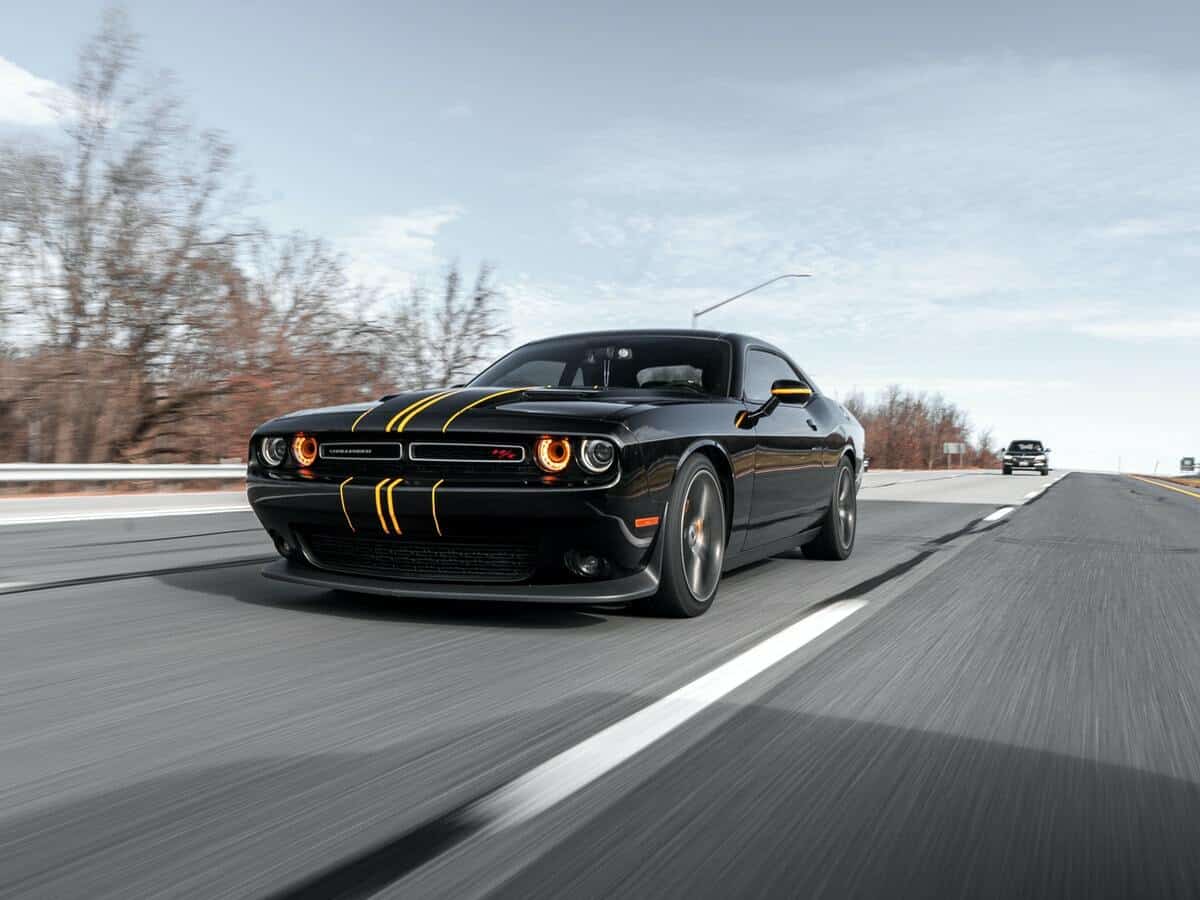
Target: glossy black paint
column 777, row 471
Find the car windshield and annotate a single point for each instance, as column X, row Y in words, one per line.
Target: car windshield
column 696, row 365
column 1025, row 447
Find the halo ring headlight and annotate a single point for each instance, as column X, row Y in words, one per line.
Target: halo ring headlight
column 273, row 450
column 553, row 454
column 597, row 455
column 304, row 448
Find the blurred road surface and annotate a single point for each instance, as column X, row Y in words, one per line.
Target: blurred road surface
column 1014, row 711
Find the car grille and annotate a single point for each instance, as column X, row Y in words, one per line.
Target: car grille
column 415, row 560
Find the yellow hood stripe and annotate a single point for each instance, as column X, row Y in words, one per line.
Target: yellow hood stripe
column 342, row 497
column 396, row 418
column 475, row 403
column 363, row 416
column 407, row 414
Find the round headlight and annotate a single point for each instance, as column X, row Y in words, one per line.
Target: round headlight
column 304, row 448
column 597, row 455
column 552, row 454
column 272, row 450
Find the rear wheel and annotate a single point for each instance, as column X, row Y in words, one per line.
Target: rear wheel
column 1007, row 470
column 1045, row 471
column 836, row 537
column 694, row 544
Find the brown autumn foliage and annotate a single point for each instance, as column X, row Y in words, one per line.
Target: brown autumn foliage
column 143, row 316
column 906, row 430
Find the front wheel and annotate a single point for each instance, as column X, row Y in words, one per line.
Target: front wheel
column 836, row 537
column 1007, row 470
column 694, row 548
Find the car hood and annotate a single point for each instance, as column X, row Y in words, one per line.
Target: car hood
column 483, row 409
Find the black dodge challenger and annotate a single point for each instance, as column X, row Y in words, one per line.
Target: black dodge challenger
column 619, row 466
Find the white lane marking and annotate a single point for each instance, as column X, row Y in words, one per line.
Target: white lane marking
column 119, row 514
column 1034, row 493
column 12, row 585
column 998, row 514
column 575, row 768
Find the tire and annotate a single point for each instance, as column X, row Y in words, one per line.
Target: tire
column 1007, row 470
column 1045, row 472
column 694, row 548
column 836, row 537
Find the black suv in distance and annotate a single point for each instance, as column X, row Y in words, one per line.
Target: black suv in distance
column 1028, row 455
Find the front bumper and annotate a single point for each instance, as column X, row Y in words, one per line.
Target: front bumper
column 546, row 523
column 1026, row 463
column 613, row 590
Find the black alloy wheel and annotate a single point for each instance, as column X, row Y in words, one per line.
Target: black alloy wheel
column 694, row 536
column 836, row 537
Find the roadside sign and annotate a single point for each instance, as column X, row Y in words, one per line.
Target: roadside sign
column 955, row 449
column 1187, row 464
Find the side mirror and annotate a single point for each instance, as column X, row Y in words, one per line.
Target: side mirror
column 1045, row 449
column 785, row 390
column 790, row 390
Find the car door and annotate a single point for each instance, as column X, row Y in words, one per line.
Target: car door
column 790, row 478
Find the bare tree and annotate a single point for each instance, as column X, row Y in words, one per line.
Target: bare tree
column 446, row 341
column 907, row 429
column 143, row 315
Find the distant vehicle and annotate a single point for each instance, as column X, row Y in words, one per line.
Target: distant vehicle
column 1026, row 456
column 596, row 468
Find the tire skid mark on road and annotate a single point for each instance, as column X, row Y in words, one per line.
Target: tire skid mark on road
column 25, row 587
column 18, row 520
column 149, row 540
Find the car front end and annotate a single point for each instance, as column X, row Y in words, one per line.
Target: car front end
column 1025, row 456
column 532, row 495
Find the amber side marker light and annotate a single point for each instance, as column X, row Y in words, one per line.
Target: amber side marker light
column 304, row 448
column 552, row 454
column 646, row 522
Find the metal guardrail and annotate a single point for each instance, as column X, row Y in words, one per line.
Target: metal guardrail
column 28, row 472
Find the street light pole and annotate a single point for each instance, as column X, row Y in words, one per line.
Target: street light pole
column 696, row 314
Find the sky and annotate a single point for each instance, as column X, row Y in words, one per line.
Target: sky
column 999, row 202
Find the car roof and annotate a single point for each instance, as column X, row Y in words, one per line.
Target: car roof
column 733, row 337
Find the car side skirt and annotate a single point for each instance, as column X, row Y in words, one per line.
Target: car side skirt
column 783, row 545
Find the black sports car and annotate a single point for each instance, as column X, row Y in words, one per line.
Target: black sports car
column 593, row 468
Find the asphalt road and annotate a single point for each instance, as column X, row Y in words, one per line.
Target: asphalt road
column 1012, row 712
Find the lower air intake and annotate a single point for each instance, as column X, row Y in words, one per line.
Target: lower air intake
column 415, row 560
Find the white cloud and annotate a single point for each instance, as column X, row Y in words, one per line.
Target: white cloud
column 391, row 252
column 26, row 99
column 458, row 110
column 1182, row 327
column 1152, row 227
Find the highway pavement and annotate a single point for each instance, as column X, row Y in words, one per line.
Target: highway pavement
column 1006, row 703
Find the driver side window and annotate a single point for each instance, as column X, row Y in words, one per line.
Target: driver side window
column 762, row 370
